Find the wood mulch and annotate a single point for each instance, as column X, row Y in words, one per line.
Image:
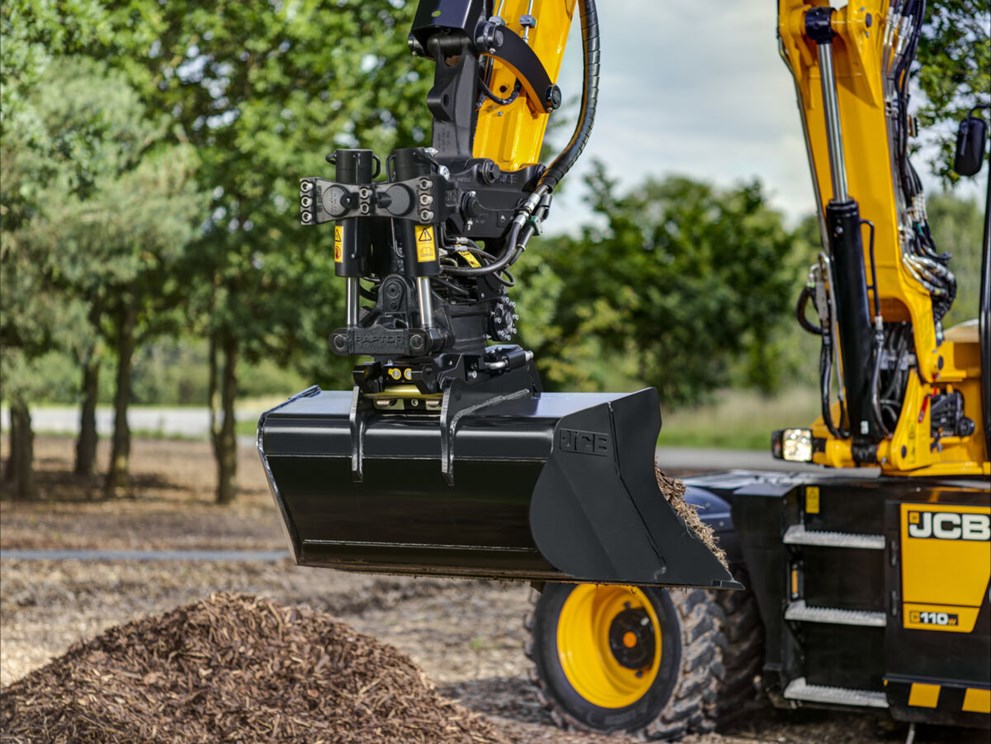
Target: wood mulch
column 235, row 668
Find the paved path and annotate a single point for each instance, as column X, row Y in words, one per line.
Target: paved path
column 170, row 422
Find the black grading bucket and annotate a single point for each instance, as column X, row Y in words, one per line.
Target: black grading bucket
column 558, row 487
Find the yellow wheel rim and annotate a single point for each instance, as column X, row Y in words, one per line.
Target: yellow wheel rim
column 609, row 644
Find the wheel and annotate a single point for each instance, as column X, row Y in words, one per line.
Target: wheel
column 625, row 658
column 741, row 640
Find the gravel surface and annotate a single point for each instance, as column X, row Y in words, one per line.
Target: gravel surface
column 170, row 506
column 467, row 636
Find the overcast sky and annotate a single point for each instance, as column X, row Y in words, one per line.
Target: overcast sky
column 694, row 88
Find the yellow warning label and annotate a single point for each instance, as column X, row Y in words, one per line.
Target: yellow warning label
column 426, row 248
column 470, row 259
column 812, row 499
column 338, row 243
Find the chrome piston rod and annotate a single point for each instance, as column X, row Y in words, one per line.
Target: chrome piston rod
column 425, row 301
column 834, row 133
column 352, row 302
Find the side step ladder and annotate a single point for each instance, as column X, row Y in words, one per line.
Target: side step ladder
column 799, row 611
column 799, row 689
column 826, row 614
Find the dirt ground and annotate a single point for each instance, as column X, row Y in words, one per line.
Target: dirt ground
column 466, row 635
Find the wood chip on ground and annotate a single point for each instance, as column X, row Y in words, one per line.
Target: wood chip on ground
column 234, row 668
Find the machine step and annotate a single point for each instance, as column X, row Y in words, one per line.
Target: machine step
column 798, row 535
column 799, row 689
column 801, row 612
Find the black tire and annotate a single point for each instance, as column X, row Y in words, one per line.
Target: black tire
column 675, row 703
column 741, row 640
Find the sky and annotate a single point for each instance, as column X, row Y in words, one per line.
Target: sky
column 697, row 89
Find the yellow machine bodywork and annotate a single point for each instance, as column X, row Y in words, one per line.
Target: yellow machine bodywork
column 860, row 68
column 512, row 135
column 935, row 536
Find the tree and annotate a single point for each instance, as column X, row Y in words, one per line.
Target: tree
column 954, row 60
column 263, row 92
column 29, row 317
column 117, row 248
column 682, row 278
column 115, row 210
column 34, row 32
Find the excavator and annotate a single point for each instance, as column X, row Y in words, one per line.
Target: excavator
column 863, row 585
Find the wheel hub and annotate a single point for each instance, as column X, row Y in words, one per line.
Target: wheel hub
column 631, row 638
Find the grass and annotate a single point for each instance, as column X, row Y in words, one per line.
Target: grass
column 738, row 419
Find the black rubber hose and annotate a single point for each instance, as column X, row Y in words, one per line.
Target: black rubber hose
column 509, row 254
column 590, row 98
column 875, row 388
column 825, row 383
column 800, row 308
column 496, row 99
column 551, row 177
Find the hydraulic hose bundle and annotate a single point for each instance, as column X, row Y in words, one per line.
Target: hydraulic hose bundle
column 534, row 210
column 924, row 262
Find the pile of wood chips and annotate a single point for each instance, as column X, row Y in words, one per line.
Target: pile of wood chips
column 234, row 668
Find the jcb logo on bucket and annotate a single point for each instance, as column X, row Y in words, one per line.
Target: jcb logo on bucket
column 943, row 525
column 583, row 442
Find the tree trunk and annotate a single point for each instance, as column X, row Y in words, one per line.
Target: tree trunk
column 88, row 438
column 222, row 426
column 118, row 475
column 20, row 466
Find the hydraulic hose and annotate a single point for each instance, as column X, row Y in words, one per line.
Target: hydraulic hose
column 825, row 383
column 590, row 98
column 521, row 232
column 803, row 302
column 875, row 384
column 510, row 251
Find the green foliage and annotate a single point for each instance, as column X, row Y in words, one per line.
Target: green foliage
column 683, row 279
column 35, row 32
column 954, row 58
column 168, row 371
column 263, row 92
column 739, row 419
column 113, row 213
column 957, row 226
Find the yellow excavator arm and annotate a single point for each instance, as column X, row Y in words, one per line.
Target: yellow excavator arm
column 909, row 394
